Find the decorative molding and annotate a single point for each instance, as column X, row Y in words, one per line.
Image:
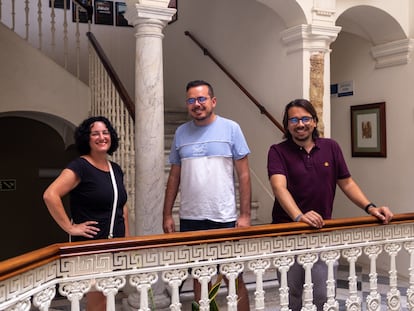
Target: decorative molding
column 323, row 12
column 313, row 38
column 393, row 53
column 140, row 11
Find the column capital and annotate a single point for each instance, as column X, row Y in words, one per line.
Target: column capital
column 313, row 38
column 137, row 10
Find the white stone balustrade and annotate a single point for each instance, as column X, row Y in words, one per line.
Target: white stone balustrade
column 143, row 262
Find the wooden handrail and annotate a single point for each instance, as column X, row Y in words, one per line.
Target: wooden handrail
column 25, row 262
column 250, row 96
column 129, row 104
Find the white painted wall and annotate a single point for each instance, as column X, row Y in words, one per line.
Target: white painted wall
column 28, row 76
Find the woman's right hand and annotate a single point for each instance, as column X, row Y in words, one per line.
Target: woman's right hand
column 85, row 229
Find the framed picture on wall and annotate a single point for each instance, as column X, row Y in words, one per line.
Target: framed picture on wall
column 120, row 9
column 82, row 13
column 368, row 130
column 60, row 4
column 104, row 12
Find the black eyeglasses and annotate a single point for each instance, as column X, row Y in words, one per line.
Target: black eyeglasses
column 200, row 99
column 305, row 120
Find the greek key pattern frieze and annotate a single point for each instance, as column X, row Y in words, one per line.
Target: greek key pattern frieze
column 82, row 265
column 27, row 281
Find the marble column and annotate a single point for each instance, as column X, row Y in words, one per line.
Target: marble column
column 149, row 18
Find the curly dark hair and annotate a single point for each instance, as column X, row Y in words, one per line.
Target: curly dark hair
column 196, row 83
column 305, row 104
column 83, row 131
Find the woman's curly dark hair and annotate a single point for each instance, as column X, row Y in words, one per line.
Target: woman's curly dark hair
column 83, row 132
column 301, row 103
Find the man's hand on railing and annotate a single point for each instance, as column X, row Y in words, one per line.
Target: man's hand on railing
column 312, row 218
column 243, row 221
column 383, row 213
column 168, row 224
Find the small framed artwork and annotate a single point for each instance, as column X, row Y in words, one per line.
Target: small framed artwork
column 120, row 20
column 368, row 130
column 60, row 4
column 104, row 12
column 173, row 4
column 82, row 13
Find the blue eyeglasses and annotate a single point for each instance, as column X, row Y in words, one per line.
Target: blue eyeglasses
column 200, row 99
column 305, row 120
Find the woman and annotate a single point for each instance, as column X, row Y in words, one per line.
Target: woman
column 88, row 181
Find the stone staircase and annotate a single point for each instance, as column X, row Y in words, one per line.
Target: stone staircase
column 173, row 119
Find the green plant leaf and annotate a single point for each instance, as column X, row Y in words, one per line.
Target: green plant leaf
column 213, row 306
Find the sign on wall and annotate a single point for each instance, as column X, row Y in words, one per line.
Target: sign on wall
column 7, row 184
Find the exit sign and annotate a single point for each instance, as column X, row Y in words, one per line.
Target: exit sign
column 7, row 184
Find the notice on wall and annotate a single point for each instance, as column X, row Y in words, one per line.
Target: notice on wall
column 7, row 184
column 346, row 88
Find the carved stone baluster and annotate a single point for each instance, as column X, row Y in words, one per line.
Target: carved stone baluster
column 330, row 258
column 283, row 264
column 409, row 246
column 174, row 279
column 307, row 261
column 393, row 295
column 374, row 298
column 27, row 24
column 53, row 27
column 23, row 305
column 110, row 287
column 142, row 282
column 232, row 271
column 65, row 35
column 203, row 275
column 43, row 299
column 39, row 22
column 77, row 36
column 353, row 302
column 74, row 291
column 13, row 14
column 259, row 267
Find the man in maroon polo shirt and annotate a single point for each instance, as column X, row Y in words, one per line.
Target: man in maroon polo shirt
column 304, row 170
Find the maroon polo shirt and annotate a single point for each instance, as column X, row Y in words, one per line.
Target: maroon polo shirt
column 311, row 177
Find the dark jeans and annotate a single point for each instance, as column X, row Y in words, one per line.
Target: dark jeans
column 205, row 224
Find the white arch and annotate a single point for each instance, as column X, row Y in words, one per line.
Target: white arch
column 372, row 23
column 63, row 127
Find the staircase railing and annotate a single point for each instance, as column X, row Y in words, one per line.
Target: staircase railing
column 110, row 98
column 240, row 86
column 165, row 259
